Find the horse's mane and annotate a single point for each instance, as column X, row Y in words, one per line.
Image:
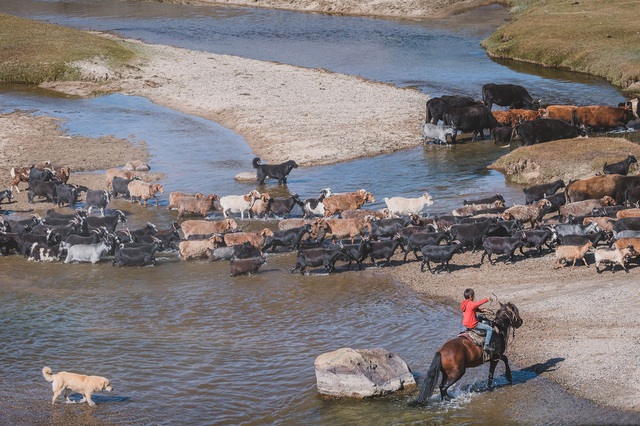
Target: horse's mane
column 508, row 316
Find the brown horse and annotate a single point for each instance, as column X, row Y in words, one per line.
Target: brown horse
column 456, row 355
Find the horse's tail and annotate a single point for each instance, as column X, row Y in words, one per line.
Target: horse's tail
column 429, row 384
column 256, row 162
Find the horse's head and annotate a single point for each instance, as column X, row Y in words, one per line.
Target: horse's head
column 509, row 314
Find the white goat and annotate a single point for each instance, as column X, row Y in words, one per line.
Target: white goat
column 87, row 252
column 406, row 206
column 438, row 133
column 238, row 203
column 613, row 256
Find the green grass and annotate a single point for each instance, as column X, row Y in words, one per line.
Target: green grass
column 598, row 37
column 35, row 52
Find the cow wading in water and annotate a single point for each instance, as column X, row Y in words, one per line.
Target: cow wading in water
column 508, row 95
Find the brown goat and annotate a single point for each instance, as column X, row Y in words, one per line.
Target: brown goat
column 565, row 253
column 345, row 228
column 196, row 205
column 256, row 239
column 347, row 201
column 206, row 227
column 197, row 249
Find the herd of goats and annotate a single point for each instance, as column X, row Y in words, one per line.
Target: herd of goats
column 598, row 215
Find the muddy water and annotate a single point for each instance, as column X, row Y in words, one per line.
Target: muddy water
column 184, row 343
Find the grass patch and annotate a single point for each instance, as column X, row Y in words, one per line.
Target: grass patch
column 565, row 159
column 598, row 37
column 34, row 52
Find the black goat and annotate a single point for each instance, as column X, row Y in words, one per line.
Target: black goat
column 439, row 254
column 621, row 167
column 538, row 192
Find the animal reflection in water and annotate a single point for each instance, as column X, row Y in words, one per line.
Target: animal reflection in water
column 460, row 353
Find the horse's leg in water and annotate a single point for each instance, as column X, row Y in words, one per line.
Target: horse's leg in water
column 492, row 368
column 449, row 379
column 507, row 369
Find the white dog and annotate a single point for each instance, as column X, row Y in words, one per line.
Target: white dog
column 71, row 382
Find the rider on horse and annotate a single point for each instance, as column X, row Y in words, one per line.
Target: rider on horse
column 469, row 319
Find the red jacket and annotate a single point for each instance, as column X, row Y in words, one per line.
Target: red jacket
column 468, row 309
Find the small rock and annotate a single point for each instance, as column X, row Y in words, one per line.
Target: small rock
column 246, row 177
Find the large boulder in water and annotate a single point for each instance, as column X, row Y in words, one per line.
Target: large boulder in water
column 361, row 373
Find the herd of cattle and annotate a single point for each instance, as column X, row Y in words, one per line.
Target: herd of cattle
column 600, row 214
column 525, row 118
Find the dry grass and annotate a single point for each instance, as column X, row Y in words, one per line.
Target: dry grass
column 593, row 36
column 34, row 52
column 549, row 161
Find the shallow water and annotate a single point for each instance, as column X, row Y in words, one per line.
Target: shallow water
column 183, row 342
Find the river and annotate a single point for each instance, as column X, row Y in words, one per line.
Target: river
column 185, row 343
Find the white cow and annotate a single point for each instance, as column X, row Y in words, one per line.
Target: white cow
column 438, row 133
column 402, row 206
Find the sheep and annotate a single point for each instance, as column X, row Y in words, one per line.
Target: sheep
column 565, row 253
column 197, row 205
column 470, row 209
column 144, row 191
column 198, row 249
column 351, row 200
column 206, row 227
column 124, row 174
column 175, row 196
column 362, row 213
column 346, row 228
column 256, row 239
column 585, row 207
column 239, row 203
column 402, row 206
column 261, row 206
column 531, row 213
column 614, row 256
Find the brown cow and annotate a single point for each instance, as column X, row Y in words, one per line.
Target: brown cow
column 515, row 116
column 593, row 187
column 595, row 116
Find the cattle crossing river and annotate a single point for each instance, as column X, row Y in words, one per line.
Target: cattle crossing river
column 184, row 343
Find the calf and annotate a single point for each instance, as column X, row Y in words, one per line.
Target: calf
column 239, row 203
column 205, row 227
column 97, row 198
column 437, row 133
column 290, row 238
column 502, row 245
column 439, row 254
column 538, row 192
column 503, row 134
column 613, row 256
column 568, row 253
column 87, row 252
column 196, row 205
column 536, row 238
column 246, row 266
column 621, row 167
column 326, row 257
column 144, row 191
column 350, row 200
column 403, row 206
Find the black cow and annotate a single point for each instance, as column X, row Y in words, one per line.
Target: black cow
column 416, row 241
column 473, row 118
column 436, row 107
column 110, row 222
column 282, row 206
column 326, row 257
column 246, row 266
column 486, row 200
column 471, row 234
column 68, row 194
column 6, row 194
column 275, row 171
column 538, row 192
column 97, row 198
column 357, row 252
column 536, row 238
column 501, row 245
column 508, row 95
column 384, row 250
column 503, row 134
column 439, row 254
column 289, row 238
column 548, row 129
column 46, row 189
column 386, row 228
column 621, row 167
column 120, row 186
